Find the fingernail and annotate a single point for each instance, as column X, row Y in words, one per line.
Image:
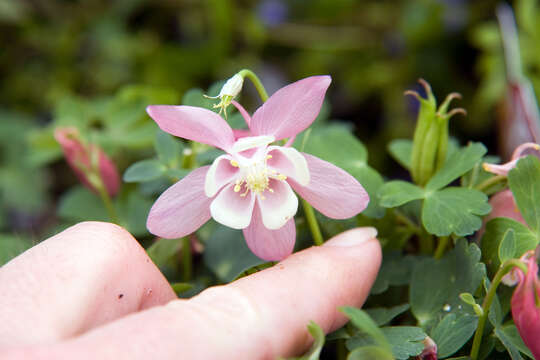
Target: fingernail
column 353, row 237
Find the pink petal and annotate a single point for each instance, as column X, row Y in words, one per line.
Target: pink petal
column 240, row 133
column 242, row 112
column 279, row 206
column 182, row 208
column 193, row 123
column 290, row 162
column 291, row 109
column 109, row 173
column 270, row 245
column 221, row 172
column 331, row 190
column 231, row 209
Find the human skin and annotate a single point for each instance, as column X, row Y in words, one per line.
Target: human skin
column 91, row 292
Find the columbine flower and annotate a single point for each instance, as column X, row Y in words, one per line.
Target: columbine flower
column 228, row 92
column 251, row 186
column 88, row 162
column 525, row 308
column 521, row 151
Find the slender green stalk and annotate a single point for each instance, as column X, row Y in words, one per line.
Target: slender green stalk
column 441, row 247
column 405, row 220
column 486, row 305
column 187, row 258
column 494, row 180
column 312, row 222
column 106, row 199
column 256, row 81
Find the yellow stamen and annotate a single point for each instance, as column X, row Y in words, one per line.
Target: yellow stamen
column 234, row 163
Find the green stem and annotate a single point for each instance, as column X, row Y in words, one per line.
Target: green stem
column 405, row 220
column 106, row 199
column 490, row 182
column 256, row 81
column 486, row 305
column 312, row 222
column 441, row 247
column 426, row 243
column 186, row 258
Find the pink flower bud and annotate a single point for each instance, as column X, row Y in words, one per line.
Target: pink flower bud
column 525, row 311
column 79, row 157
column 430, row 350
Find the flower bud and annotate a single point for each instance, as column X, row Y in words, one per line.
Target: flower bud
column 91, row 165
column 430, row 141
column 430, row 350
column 525, row 308
column 228, row 92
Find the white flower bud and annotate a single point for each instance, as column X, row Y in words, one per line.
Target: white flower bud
column 232, row 87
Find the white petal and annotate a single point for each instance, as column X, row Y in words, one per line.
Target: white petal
column 231, row 209
column 290, row 162
column 279, row 206
column 250, row 142
column 221, row 172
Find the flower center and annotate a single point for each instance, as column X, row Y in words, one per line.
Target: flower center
column 255, row 177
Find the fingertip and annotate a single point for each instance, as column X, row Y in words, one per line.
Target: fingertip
column 353, row 237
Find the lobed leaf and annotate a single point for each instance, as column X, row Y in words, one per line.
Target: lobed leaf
column 458, row 164
column 524, row 181
column 454, row 210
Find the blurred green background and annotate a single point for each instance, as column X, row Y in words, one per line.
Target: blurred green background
column 97, row 64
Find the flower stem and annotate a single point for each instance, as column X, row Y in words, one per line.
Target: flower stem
column 486, row 305
column 441, row 247
column 486, row 184
column 106, row 199
column 312, row 222
column 256, row 81
column 187, row 258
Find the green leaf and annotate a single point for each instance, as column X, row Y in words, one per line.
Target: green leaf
column 195, row 97
column 177, row 174
column 525, row 240
column 406, row 341
column 80, row 204
column 144, row 170
column 11, row 246
column 361, row 320
column 337, row 145
column 495, row 314
column 318, row 343
column 163, row 250
column 458, row 164
column 228, row 255
column 167, row 147
column 181, row 287
column 507, row 247
column 524, row 181
column 133, row 209
column 383, row 316
column 436, row 284
column 370, row 352
column 453, row 332
column 467, row 298
column 512, row 341
column 396, row 193
column 401, row 151
column 395, row 270
column 454, row 211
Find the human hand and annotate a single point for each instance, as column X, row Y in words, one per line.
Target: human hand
column 91, row 292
